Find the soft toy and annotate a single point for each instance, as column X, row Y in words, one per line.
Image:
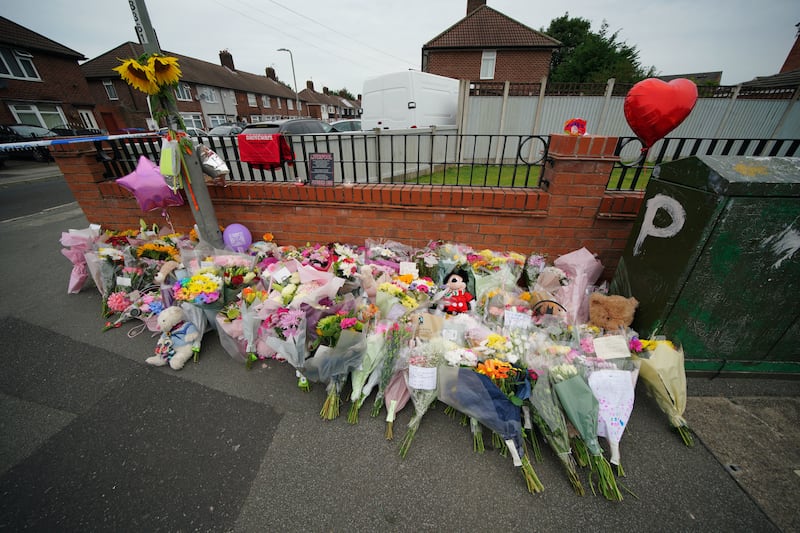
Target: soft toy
column 166, row 269
column 456, row 298
column 180, row 339
column 611, row 312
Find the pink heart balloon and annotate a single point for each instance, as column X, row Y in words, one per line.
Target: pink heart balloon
column 148, row 186
column 653, row 108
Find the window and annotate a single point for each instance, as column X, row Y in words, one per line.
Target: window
column 251, row 100
column 488, row 60
column 193, row 120
column 255, row 119
column 87, row 118
column 183, row 92
column 48, row 116
column 209, row 94
column 110, row 90
column 279, row 102
column 17, row 64
column 265, row 100
column 216, row 120
column 289, row 105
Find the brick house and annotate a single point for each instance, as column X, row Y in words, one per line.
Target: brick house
column 207, row 95
column 328, row 106
column 486, row 45
column 41, row 82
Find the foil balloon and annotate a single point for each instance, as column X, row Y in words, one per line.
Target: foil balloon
column 237, row 238
column 653, row 107
column 148, row 186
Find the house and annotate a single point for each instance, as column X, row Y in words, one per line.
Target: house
column 41, row 82
column 328, row 106
column 208, row 94
column 486, row 45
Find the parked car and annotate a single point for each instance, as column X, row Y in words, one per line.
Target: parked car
column 14, row 133
column 69, row 130
column 346, row 125
column 289, row 126
column 191, row 132
column 225, row 129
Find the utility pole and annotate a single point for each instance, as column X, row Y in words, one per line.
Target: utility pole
column 199, row 199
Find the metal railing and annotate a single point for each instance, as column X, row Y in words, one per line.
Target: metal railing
column 633, row 170
column 424, row 157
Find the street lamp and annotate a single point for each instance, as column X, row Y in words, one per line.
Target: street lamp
column 296, row 95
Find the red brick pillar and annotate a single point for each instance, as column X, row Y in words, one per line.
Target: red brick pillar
column 576, row 177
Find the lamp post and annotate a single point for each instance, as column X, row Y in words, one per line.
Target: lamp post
column 296, row 95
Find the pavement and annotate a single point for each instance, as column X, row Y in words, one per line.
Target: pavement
column 93, row 439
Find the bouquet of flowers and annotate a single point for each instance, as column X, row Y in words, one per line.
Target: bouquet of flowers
column 143, row 305
column 581, row 408
column 346, row 264
column 452, row 256
column 661, row 369
column 317, row 256
column 339, row 349
column 495, row 270
column 396, row 396
column 289, row 340
column 477, row 396
column 397, row 337
column 76, row 243
column 423, row 364
column 372, row 358
column 203, row 288
column 387, row 255
column 402, row 295
column 614, row 389
column 549, row 418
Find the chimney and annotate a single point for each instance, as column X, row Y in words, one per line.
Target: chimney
column 324, row 90
column 271, row 74
column 310, row 85
column 472, row 5
column 226, row 59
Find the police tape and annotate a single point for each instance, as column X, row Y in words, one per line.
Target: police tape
column 8, row 147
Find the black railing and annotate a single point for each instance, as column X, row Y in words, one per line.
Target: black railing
column 425, row 158
column 633, row 170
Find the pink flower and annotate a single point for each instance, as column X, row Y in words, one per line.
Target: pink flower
column 118, row 301
column 348, row 322
column 635, row 345
column 587, row 345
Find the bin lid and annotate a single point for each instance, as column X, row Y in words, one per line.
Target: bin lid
column 735, row 175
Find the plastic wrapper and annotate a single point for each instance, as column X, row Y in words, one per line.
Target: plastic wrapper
column 396, row 396
column 372, row 357
column 583, row 270
column 662, row 371
column 213, row 165
column 294, row 351
column 332, row 365
column 614, row 390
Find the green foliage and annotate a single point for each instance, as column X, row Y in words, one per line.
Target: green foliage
column 344, row 93
column 588, row 57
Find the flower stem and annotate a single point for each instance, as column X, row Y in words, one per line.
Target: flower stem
column 407, row 440
column 581, row 452
column 376, row 407
column 389, row 430
column 572, row 472
column 477, row 436
column 531, row 479
column 606, row 481
column 537, row 450
column 330, row 409
column 352, row 414
column 686, row 435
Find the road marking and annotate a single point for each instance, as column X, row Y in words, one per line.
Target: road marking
column 42, row 212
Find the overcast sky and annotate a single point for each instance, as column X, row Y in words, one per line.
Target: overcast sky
column 338, row 44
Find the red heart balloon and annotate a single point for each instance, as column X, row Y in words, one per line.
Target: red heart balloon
column 654, row 108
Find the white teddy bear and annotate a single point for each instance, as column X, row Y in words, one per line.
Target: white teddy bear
column 179, row 340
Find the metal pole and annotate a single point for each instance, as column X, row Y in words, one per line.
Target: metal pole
column 294, row 78
column 199, row 199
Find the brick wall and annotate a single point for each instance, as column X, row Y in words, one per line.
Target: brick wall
column 512, row 65
column 572, row 211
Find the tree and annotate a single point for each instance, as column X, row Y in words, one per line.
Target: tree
column 344, row 93
column 588, row 57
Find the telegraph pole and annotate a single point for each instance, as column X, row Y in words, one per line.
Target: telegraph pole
column 199, row 199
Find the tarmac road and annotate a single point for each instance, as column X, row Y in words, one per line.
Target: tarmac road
column 93, row 439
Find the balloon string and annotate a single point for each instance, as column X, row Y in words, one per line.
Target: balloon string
column 188, row 183
column 165, row 214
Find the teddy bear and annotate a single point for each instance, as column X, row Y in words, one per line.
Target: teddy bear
column 179, row 340
column 611, row 312
column 456, row 299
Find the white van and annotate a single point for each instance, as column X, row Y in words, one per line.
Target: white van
column 409, row 99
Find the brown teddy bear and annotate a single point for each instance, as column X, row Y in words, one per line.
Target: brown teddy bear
column 611, row 312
